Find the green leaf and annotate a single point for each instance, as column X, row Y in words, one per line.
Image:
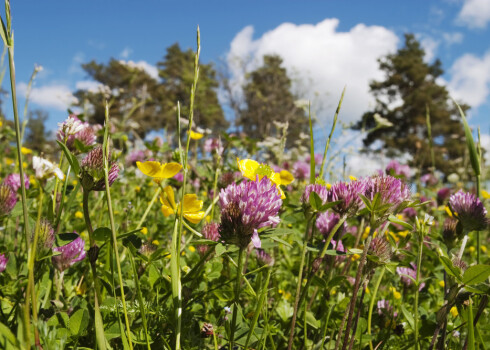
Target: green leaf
column 366, row 201
column 7, row 334
column 311, row 320
column 408, row 316
column 65, row 238
column 277, row 232
column 395, row 220
column 450, row 268
column 278, row 240
column 71, row 158
column 102, row 234
column 220, row 249
column 470, row 143
column 315, row 200
column 476, row 274
column 78, row 322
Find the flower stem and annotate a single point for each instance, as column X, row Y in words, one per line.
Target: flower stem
column 371, row 305
column 147, row 211
column 417, row 279
column 237, row 297
column 298, row 287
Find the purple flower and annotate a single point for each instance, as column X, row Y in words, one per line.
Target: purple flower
column 326, row 221
column 93, row 171
column 71, row 253
column 247, row 207
column 209, row 231
column 396, row 169
column 410, row 212
column 213, row 144
column 320, row 190
column 301, row 170
column 348, row 195
column 179, row 177
column 8, row 199
column 74, row 129
column 45, row 238
column 411, row 271
column 264, row 258
column 3, row 262
column 135, row 156
column 380, row 248
column 428, row 179
column 13, row 181
column 443, row 194
column 318, row 158
column 384, row 308
column 391, row 190
column 469, row 210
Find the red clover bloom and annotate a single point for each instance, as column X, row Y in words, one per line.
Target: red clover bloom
column 92, row 175
column 348, row 195
column 247, row 207
column 3, row 262
column 13, row 181
column 8, row 199
column 71, row 253
column 469, row 211
column 320, row 190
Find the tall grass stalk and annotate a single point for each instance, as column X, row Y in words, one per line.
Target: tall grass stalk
column 175, row 268
column 236, row 301
column 106, row 153
column 429, row 136
column 327, row 145
column 8, row 40
column 371, row 305
column 36, row 70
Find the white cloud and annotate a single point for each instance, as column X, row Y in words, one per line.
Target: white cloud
column 92, row 86
column 55, row 96
column 325, row 58
column 126, row 52
column 151, row 70
column 470, row 79
column 475, row 13
column 76, row 63
column 453, row 38
column 430, row 47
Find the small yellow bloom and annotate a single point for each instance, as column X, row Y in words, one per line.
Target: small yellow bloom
column 367, row 290
column 483, row 248
column 192, row 249
column 403, row 234
column 365, row 234
column 251, row 169
column 328, row 186
column 196, row 135
column 144, row 230
column 454, row 311
column 286, row 177
column 397, row 295
column 24, row 165
column 137, row 189
column 9, row 161
column 191, row 205
column 441, row 283
column 355, row 257
column 183, row 253
column 333, row 292
column 79, row 215
column 448, row 211
column 155, row 242
column 352, row 178
column 485, row 194
column 159, row 170
column 472, row 249
column 204, row 194
column 74, row 182
column 26, row 150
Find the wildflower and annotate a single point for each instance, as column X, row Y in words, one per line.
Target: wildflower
column 454, row 311
column 13, row 181
column 469, row 211
column 159, row 171
column 263, row 258
column 8, row 199
column 408, row 275
column 191, row 205
column 92, row 173
column 381, row 250
column 251, row 169
column 326, row 221
column 135, row 156
column 213, row 144
column 144, row 230
column 429, row 179
column 45, row 169
column 397, row 295
column 301, row 170
column 207, row 330
column 247, row 207
column 443, row 194
column 71, row 253
column 384, row 308
column 209, row 231
column 3, row 262
column 348, row 195
column 396, row 169
column 25, row 150
column 485, row 194
column 45, row 238
column 71, row 126
column 320, row 190
column 74, row 129
column 449, row 230
column 147, row 249
column 79, row 214
column 196, row 135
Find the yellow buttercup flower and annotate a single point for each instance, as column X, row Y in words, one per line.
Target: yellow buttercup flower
column 286, row 177
column 26, row 150
column 442, row 284
column 485, row 194
column 191, row 205
column 251, row 169
column 144, row 230
column 196, row 135
column 448, row 211
column 454, row 311
column 157, row 170
column 79, row 215
column 352, row 178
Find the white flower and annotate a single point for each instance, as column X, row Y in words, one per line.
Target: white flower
column 45, row 169
column 71, row 126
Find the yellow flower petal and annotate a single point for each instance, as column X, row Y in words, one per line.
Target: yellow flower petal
column 149, row 168
column 170, row 170
column 26, row 150
column 166, row 210
column 191, row 203
column 167, row 199
column 248, row 167
column 286, row 177
column 195, row 218
column 485, row 194
column 196, row 135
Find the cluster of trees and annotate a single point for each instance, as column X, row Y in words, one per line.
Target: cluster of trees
column 141, row 103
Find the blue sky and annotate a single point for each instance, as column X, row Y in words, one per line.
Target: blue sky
column 325, row 44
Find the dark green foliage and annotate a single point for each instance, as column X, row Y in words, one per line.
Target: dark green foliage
column 268, row 98
column 37, row 137
column 414, row 82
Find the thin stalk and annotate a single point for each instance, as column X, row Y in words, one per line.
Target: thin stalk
column 429, row 135
column 140, row 300
column 237, row 298
column 147, row 211
column 471, row 327
column 59, row 284
column 298, row 287
column 327, row 145
column 9, row 42
column 176, row 280
column 417, row 279
column 113, row 225
column 259, row 306
column 325, row 326
column 28, row 94
column 371, row 305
